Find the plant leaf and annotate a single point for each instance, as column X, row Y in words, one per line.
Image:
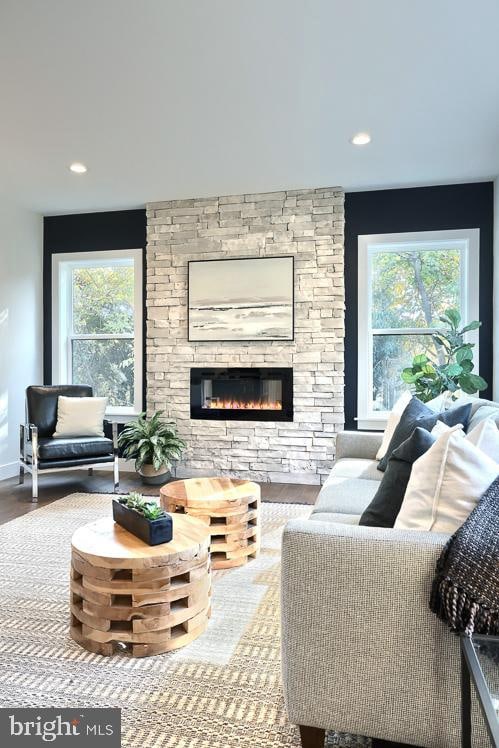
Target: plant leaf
column 453, row 316
column 467, row 365
column 420, row 360
column 471, row 383
column 453, row 370
column 464, row 353
column 472, row 326
column 478, row 382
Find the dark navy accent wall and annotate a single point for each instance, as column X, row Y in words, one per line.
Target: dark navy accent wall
column 458, row 206
column 88, row 232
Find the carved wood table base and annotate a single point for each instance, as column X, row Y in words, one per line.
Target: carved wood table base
column 231, row 509
column 129, row 595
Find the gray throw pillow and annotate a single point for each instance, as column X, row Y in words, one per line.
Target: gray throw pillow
column 385, row 506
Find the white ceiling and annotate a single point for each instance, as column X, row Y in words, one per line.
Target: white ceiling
column 166, row 99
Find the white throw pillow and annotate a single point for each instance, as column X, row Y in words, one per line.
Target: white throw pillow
column 446, row 484
column 445, row 402
column 392, row 423
column 80, row 416
column 485, row 436
column 441, row 428
column 483, row 412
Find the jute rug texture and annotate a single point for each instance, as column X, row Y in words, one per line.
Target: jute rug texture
column 221, row 691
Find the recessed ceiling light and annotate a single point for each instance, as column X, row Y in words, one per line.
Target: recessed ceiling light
column 78, row 168
column 360, row 138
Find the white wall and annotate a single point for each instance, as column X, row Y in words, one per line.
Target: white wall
column 21, row 241
column 496, row 290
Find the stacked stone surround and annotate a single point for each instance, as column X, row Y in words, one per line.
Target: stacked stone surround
column 305, row 223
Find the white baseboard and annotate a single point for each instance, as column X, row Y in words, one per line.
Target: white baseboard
column 9, row 470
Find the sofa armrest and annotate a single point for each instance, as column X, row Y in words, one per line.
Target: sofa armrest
column 363, row 444
column 362, row 652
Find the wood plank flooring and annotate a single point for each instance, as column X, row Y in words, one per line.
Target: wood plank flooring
column 15, row 500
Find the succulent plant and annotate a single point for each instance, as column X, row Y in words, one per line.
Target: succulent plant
column 147, row 508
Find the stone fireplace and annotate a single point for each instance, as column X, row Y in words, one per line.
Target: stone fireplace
column 252, row 429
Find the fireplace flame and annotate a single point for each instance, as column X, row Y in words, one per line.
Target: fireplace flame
column 218, row 403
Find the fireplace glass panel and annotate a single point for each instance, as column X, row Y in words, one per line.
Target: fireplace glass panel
column 236, row 394
column 242, row 394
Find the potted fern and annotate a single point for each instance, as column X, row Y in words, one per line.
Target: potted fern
column 154, row 445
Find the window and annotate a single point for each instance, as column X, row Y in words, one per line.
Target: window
column 97, row 325
column 405, row 282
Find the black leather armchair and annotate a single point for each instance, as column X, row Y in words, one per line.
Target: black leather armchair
column 41, row 453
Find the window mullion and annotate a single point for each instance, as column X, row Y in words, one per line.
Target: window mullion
column 404, row 331
column 102, row 336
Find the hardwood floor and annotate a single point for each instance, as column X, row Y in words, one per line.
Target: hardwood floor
column 15, row 500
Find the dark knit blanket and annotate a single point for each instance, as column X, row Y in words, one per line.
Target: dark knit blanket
column 465, row 592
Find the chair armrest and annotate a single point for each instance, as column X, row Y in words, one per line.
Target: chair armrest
column 363, row 444
column 28, row 432
column 114, row 432
column 358, row 634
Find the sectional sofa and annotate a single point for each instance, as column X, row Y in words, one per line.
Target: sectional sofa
column 362, row 652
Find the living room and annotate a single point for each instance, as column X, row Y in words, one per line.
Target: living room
column 249, row 404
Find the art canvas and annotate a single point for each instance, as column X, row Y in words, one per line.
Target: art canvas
column 243, row 299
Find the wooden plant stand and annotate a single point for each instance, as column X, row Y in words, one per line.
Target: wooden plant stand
column 148, row 599
column 230, row 507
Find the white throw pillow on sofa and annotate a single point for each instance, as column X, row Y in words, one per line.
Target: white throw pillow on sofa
column 80, row 416
column 441, row 428
column 446, row 484
column 485, row 436
column 392, row 423
column 445, row 401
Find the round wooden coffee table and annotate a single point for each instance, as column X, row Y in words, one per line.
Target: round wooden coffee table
column 148, row 599
column 230, row 507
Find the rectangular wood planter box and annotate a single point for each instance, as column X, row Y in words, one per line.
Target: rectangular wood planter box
column 151, row 531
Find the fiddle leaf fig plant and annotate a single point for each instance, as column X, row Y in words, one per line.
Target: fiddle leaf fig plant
column 453, row 368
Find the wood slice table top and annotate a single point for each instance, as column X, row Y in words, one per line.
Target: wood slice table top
column 106, row 544
column 219, row 491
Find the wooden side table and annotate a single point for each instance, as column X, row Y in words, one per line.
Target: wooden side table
column 149, row 599
column 231, row 509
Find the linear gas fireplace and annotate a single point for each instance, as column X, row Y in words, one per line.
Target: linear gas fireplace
column 255, row 394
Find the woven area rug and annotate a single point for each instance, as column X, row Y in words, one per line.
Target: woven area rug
column 223, row 690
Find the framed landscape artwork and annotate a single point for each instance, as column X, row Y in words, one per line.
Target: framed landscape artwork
column 243, row 299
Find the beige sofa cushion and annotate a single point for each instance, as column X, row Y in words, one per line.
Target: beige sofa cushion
column 355, row 467
column 345, row 495
column 340, row 518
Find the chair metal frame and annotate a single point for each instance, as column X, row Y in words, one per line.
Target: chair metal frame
column 29, row 433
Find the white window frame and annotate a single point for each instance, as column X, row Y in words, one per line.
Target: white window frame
column 468, row 243
column 62, row 334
